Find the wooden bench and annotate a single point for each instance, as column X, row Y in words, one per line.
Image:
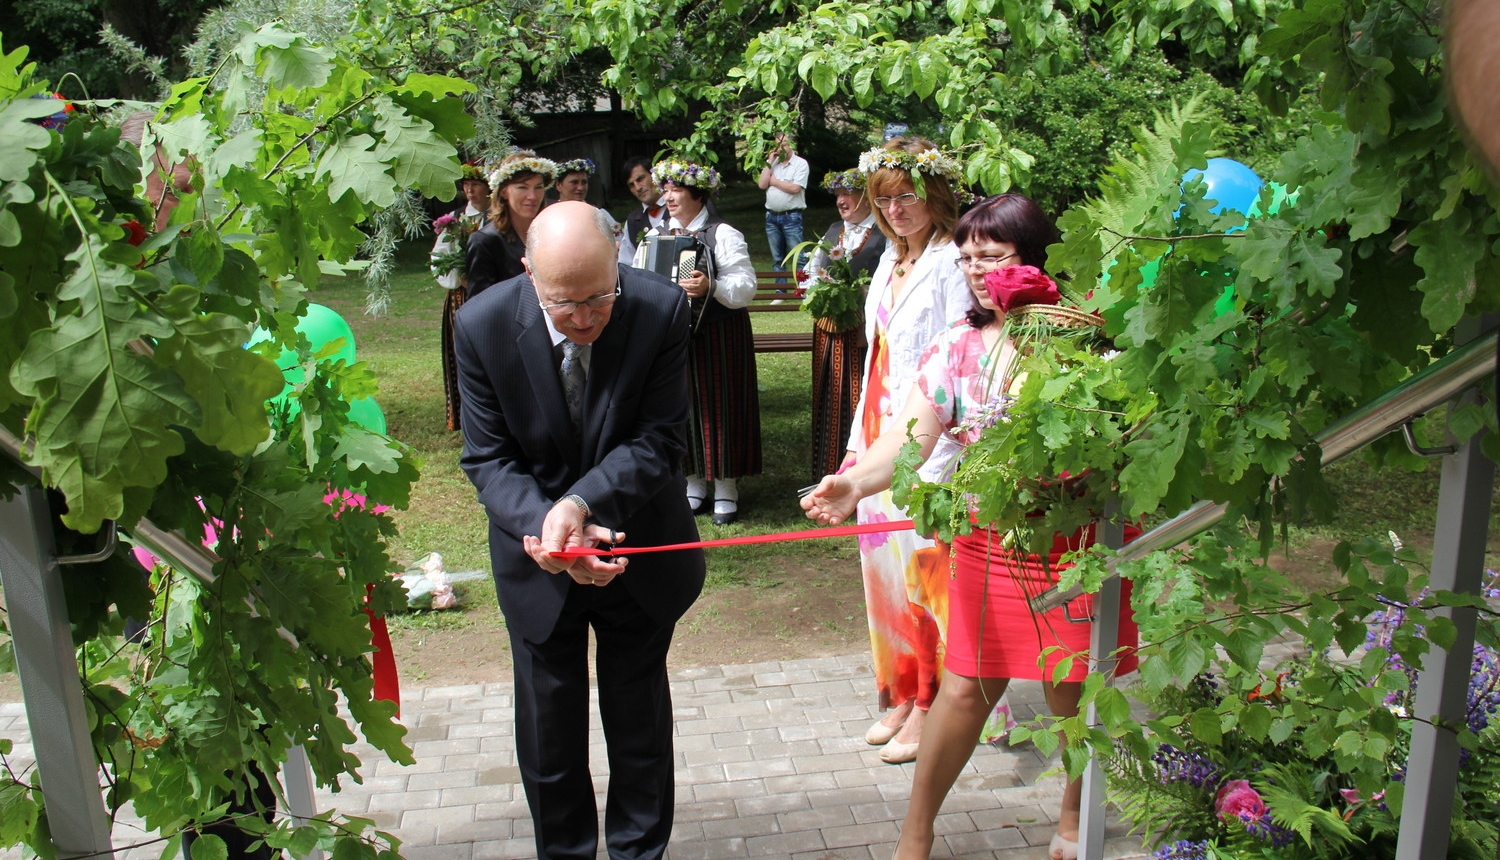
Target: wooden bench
column 771, row 297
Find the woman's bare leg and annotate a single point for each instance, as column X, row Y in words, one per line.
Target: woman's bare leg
column 949, row 735
column 1062, row 700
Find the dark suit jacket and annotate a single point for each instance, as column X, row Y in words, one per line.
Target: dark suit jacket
column 492, row 258
column 522, row 452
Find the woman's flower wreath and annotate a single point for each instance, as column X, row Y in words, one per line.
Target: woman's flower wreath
column 529, row 163
column 469, row 170
column 577, row 165
column 852, row 181
column 685, row 173
column 929, row 161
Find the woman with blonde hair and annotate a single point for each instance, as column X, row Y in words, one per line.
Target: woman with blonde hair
column 915, row 293
column 519, row 184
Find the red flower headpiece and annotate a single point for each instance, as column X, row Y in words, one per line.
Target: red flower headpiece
column 1014, row 286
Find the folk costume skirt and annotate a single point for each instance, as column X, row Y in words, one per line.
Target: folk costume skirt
column 838, row 360
column 992, row 631
column 452, row 301
column 724, row 425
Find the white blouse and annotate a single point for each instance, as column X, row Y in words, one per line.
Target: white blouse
column 935, row 296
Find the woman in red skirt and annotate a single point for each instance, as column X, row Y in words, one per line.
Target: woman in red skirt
column 993, row 635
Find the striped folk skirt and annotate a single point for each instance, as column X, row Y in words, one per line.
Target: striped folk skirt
column 838, row 363
column 452, row 301
column 724, row 425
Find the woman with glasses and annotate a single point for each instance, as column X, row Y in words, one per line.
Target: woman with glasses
column 915, row 293
column 519, row 183
column 992, row 634
column 724, row 424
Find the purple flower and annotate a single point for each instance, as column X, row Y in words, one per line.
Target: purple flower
column 1182, row 849
column 1175, row 765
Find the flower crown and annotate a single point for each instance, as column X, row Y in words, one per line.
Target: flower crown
column 577, row 165
column 929, row 161
column 847, row 180
column 685, row 173
column 471, row 171
column 529, row 162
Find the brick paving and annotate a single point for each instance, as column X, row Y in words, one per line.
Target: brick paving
column 771, row 763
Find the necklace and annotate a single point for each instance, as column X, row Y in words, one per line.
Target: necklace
column 901, row 265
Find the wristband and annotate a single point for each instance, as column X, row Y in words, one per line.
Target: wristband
column 578, row 500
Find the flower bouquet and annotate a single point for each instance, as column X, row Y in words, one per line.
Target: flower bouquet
column 831, row 291
column 449, row 260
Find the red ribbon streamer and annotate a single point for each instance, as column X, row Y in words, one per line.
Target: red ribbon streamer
column 383, row 660
column 573, row 552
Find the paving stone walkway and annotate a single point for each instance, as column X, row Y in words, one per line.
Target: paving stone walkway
column 771, row 763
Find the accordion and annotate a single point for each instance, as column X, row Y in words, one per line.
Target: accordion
column 674, row 257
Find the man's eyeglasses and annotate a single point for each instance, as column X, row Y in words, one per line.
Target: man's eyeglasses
column 964, row 261
column 566, row 309
column 907, row 199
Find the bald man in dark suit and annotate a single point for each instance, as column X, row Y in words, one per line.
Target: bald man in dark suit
column 557, row 469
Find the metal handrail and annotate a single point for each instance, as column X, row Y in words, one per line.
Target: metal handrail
column 1437, row 384
column 169, row 546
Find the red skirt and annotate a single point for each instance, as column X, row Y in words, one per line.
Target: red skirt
column 992, row 631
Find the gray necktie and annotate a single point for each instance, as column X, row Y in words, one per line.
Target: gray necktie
column 573, row 379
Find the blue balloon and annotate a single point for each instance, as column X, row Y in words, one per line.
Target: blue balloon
column 1231, row 185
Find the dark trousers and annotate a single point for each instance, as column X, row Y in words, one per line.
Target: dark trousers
column 552, row 728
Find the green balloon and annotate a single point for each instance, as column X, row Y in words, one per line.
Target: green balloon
column 322, row 325
column 366, row 413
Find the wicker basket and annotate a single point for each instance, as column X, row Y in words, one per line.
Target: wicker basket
column 1057, row 315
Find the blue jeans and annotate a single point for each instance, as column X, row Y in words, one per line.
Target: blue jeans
column 784, row 232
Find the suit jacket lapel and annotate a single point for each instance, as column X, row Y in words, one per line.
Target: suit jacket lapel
column 535, row 347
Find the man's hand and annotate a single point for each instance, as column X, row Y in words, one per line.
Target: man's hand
column 563, row 528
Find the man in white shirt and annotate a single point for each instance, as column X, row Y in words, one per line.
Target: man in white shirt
column 784, row 179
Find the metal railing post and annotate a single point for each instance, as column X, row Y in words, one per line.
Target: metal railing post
column 1443, row 684
column 1103, row 640
column 48, row 668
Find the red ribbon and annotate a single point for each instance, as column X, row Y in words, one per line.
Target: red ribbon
column 387, row 681
column 573, row 552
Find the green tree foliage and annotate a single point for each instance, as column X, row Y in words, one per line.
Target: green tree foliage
column 64, row 37
column 128, row 378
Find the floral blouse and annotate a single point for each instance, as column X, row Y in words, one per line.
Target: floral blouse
column 962, row 381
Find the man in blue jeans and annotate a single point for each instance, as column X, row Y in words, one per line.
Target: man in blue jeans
column 783, row 179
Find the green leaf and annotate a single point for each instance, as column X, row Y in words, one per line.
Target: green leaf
column 419, row 158
column 285, row 60
column 19, row 139
column 18, row 813
column 1205, row 726
column 209, row 847
column 103, row 413
column 351, row 165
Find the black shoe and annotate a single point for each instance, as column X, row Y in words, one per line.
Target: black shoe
column 700, row 508
column 724, row 518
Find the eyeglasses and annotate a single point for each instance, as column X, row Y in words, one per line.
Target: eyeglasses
column 566, row 309
column 907, row 199
column 964, row 261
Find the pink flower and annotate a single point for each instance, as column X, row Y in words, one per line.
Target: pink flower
column 1236, row 799
column 444, row 222
column 1014, row 286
